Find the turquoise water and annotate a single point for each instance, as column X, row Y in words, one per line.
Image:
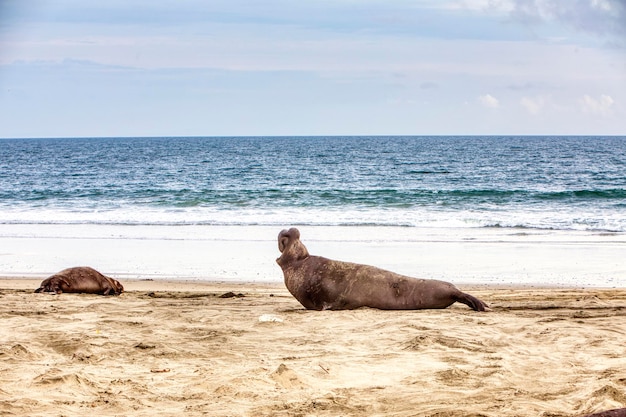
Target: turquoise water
column 556, row 183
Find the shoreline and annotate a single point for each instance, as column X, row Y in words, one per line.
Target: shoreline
column 492, row 256
column 194, row 285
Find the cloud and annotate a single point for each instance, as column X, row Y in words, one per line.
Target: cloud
column 602, row 106
column 533, row 105
column 489, row 101
column 599, row 17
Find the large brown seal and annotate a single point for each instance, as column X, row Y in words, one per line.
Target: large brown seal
column 324, row 284
column 81, row 279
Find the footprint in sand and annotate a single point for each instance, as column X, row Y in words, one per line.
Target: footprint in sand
column 286, row 378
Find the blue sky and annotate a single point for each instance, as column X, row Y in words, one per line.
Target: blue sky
column 328, row 67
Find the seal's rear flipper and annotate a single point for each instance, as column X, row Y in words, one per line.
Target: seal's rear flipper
column 473, row 302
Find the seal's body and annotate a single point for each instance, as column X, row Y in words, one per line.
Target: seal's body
column 320, row 283
column 82, row 279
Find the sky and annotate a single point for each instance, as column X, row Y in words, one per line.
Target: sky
column 76, row 68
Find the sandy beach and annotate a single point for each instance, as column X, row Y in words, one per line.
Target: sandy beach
column 207, row 328
column 232, row 349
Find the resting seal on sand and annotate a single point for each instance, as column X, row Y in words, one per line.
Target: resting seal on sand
column 81, row 279
column 324, row 284
column 618, row 412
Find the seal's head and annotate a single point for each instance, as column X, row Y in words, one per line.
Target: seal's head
column 290, row 246
column 54, row 284
column 119, row 288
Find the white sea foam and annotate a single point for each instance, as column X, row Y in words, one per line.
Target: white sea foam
column 575, row 219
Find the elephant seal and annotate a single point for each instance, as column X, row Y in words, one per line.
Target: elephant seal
column 324, row 284
column 81, row 279
column 618, row 412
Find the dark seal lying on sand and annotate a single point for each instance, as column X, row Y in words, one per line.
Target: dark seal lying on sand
column 81, row 279
column 324, row 284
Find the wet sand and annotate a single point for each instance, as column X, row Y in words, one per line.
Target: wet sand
column 496, row 256
column 178, row 348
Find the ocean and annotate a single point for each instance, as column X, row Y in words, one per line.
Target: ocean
column 539, row 182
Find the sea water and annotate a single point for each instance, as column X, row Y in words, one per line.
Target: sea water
column 195, row 206
column 555, row 183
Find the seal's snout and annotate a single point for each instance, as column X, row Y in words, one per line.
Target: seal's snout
column 286, row 236
column 283, row 239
